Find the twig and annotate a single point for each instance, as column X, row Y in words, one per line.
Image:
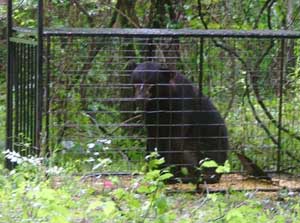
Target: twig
column 122, row 14
column 96, row 123
column 124, row 122
column 267, row 131
column 14, row 8
column 268, row 4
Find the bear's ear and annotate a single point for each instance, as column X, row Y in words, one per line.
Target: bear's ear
column 168, row 74
column 130, row 66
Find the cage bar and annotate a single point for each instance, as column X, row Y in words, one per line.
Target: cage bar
column 9, row 95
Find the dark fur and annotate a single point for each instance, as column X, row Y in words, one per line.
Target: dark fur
column 184, row 126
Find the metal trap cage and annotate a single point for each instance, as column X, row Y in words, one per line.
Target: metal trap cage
column 72, row 90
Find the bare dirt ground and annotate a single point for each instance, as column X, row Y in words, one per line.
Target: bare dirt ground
column 228, row 182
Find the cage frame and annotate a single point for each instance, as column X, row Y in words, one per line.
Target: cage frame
column 43, row 35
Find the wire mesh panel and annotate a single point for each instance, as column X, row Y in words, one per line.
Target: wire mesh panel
column 23, row 110
column 95, row 106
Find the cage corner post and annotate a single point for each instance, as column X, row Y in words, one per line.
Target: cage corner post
column 280, row 104
column 39, row 79
column 9, row 87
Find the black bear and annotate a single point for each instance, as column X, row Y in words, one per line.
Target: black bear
column 184, row 126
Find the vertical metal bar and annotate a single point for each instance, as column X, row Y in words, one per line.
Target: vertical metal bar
column 200, row 80
column 39, row 81
column 22, row 97
column 201, row 58
column 16, row 66
column 24, row 92
column 23, row 66
column 9, row 86
column 47, row 108
column 31, row 95
column 33, row 90
column 280, row 104
column 28, row 96
column 28, row 93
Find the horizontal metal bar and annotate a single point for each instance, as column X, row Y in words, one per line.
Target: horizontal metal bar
column 142, row 125
column 162, row 32
column 24, row 41
column 129, row 99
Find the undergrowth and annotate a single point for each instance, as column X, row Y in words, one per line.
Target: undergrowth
column 36, row 192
